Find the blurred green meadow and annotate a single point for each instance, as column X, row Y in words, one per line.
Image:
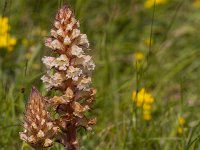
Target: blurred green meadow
column 147, row 72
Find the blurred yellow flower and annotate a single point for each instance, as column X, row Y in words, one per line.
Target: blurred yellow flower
column 144, row 100
column 181, row 125
column 180, row 130
column 150, row 3
column 181, row 121
column 4, row 25
column 138, row 56
column 142, row 97
column 6, row 41
column 196, row 3
column 147, row 117
column 147, row 107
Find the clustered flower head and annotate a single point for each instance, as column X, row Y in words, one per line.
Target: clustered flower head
column 144, row 100
column 6, row 40
column 138, row 56
column 150, row 3
column 69, row 71
column 181, row 125
column 39, row 129
column 73, row 65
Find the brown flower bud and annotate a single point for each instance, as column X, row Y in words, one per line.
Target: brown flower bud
column 39, row 129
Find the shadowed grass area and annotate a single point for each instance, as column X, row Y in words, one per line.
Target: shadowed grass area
column 116, row 29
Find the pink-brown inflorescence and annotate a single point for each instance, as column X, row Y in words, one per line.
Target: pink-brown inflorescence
column 39, row 129
column 69, row 71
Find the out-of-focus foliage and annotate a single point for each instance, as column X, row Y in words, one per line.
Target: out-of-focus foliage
column 134, row 46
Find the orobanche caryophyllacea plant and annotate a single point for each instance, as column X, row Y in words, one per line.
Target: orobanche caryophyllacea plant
column 70, row 73
column 39, row 129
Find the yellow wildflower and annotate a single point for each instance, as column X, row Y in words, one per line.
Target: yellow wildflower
column 147, row 115
column 196, row 3
column 144, row 100
column 6, row 41
column 4, row 25
column 138, row 100
column 181, row 121
column 150, row 3
column 181, row 125
column 142, row 97
column 147, row 107
column 12, row 41
column 148, row 98
column 138, row 56
column 180, row 130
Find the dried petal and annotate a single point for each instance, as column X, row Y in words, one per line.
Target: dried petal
column 55, row 44
column 83, row 41
column 69, row 93
column 77, row 51
column 48, row 61
column 84, row 84
column 67, row 40
column 73, row 73
column 56, row 100
column 23, row 136
column 40, row 134
column 78, row 107
column 53, row 80
column 75, row 33
column 60, row 32
column 54, row 33
column 57, row 24
column 48, row 142
column 48, row 42
column 61, row 62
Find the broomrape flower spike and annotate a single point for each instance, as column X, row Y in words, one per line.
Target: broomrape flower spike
column 69, row 71
column 39, row 129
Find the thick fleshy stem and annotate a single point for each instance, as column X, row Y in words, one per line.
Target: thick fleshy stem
column 72, row 143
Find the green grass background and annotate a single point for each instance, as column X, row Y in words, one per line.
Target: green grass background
column 116, row 30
